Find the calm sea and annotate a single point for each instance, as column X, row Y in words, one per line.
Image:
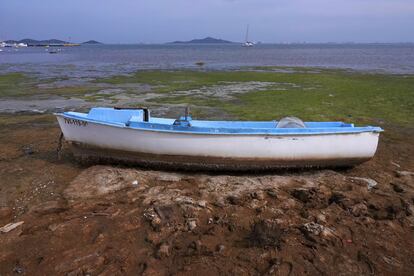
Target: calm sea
column 101, row 60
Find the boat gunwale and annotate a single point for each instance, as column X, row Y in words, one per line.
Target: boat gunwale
column 235, row 131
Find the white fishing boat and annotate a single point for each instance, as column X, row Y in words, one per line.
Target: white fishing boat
column 247, row 43
column 133, row 136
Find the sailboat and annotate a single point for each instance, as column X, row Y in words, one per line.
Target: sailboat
column 247, row 43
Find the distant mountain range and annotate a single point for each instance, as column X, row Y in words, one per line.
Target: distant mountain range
column 207, row 40
column 35, row 42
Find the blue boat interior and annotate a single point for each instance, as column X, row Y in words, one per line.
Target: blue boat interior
column 140, row 119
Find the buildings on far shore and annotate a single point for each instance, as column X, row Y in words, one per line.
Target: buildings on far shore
column 15, row 45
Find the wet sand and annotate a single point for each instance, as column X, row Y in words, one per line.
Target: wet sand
column 111, row 220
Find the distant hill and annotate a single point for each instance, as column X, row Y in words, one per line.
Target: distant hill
column 92, row 42
column 29, row 41
column 207, row 40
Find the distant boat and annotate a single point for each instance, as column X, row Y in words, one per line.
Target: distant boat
column 132, row 136
column 247, row 43
column 53, row 51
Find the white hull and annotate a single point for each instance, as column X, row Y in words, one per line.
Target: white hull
column 274, row 150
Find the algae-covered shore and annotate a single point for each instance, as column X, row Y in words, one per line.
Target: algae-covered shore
column 109, row 219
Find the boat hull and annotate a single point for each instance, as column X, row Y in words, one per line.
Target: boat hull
column 100, row 142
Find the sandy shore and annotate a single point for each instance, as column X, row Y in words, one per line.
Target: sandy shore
column 112, row 220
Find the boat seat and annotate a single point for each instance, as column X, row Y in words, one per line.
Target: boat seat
column 290, row 122
column 116, row 115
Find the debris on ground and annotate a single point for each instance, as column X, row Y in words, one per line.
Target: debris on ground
column 10, row 226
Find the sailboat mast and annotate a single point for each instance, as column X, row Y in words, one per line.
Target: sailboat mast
column 247, row 33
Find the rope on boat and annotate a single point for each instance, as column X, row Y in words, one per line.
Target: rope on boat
column 60, row 145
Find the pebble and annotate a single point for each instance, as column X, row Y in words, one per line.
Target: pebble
column 163, row 251
column 371, row 182
column 359, row 209
column 313, row 228
column 220, row 248
column 259, row 195
column 191, row 224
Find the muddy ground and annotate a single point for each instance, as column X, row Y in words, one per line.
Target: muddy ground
column 110, row 220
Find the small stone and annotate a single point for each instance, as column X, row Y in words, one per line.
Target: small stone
column 135, row 183
column 259, row 195
column 220, row 248
column 313, row 228
column 397, row 188
column 191, row 224
column 234, row 200
column 371, row 183
column 202, row 203
column 156, row 222
column 321, row 218
column 359, row 209
column 271, row 193
column 163, row 251
column 301, row 194
column 18, row 270
column 288, row 204
column 196, row 245
column 28, row 150
column 153, row 218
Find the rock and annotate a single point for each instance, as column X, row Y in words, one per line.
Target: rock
column 303, row 195
column 11, row 226
column 191, row 224
column 18, row 270
column 234, row 200
column 220, row 248
column 163, row 251
column 196, row 245
column 28, row 150
column 321, row 218
column 259, row 195
column 337, row 197
column 359, row 209
column 202, row 203
column 49, row 207
column 288, row 204
column 370, row 182
column 313, row 228
column 151, row 216
column 397, row 188
column 271, row 193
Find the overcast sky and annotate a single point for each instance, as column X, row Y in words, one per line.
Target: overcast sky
column 157, row 21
